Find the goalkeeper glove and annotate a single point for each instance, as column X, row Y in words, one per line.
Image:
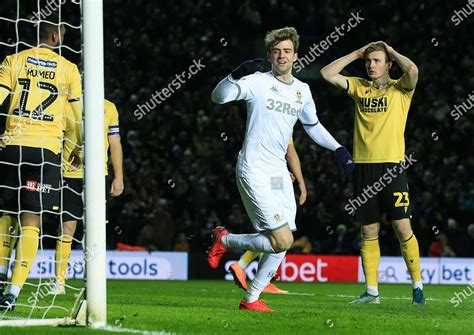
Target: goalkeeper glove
column 344, row 161
column 248, row 67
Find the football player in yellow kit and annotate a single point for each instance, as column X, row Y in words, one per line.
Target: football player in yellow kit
column 36, row 84
column 380, row 181
column 72, row 206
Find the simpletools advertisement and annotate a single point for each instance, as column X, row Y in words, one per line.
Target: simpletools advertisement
column 302, row 268
column 120, row 265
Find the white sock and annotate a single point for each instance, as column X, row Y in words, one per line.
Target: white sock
column 267, row 268
column 418, row 284
column 14, row 289
column 252, row 242
column 372, row 290
column 242, row 264
column 3, row 270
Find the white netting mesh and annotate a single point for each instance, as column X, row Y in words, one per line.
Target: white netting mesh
column 21, row 21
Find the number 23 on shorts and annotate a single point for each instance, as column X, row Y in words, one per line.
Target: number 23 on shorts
column 402, row 199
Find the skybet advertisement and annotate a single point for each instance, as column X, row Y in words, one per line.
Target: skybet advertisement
column 322, row 269
column 310, row 268
column 433, row 270
column 294, row 268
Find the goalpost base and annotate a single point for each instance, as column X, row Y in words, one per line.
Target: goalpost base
column 68, row 321
column 81, row 315
column 80, row 319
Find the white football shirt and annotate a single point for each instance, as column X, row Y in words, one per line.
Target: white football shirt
column 273, row 107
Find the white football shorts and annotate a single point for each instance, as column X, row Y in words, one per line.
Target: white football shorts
column 269, row 200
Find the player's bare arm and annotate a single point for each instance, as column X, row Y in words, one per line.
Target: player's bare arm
column 116, row 154
column 76, row 107
column 410, row 70
column 332, row 72
column 294, row 165
column 4, row 94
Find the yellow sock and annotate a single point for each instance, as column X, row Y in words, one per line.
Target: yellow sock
column 370, row 255
column 63, row 252
column 8, row 232
column 247, row 258
column 411, row 255
column 25, row 254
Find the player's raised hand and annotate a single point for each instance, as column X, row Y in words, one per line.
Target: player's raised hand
column 390, row 51
column 117, row 187
column 360, row 52
column 344, row 161
column 248, row 67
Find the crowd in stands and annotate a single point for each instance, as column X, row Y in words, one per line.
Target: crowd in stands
column 179, row 158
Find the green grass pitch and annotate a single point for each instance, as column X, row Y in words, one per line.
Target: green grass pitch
column 211, row 307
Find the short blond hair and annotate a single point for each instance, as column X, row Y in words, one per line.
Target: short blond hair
column 277, row 35
column 377, row 47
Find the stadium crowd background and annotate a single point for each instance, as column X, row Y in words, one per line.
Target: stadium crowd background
column 179, row 158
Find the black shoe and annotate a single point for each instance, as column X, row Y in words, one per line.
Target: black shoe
column 418, row 297
column 3, row 283
column 7, row 302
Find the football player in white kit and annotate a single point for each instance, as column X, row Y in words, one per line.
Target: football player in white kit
column 275, row 101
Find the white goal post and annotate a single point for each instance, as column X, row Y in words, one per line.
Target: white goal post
column 94, row 187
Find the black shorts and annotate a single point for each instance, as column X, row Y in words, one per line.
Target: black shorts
column 72, row 204
column 72, row 199
column 30, row 179
column 380, row 188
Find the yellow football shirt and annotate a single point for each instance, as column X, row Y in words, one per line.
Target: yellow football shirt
column 380, row 119
column 41, row 84
column 111, row 128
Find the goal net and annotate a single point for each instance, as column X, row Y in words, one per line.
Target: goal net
column 39, row 299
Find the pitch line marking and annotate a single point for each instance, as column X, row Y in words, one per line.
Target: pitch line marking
column 132, row 331
column 388, row 298
column 300, row 293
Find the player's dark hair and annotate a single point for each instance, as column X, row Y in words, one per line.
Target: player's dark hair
column 48, row 28
column 277, row 35
column 377, row 47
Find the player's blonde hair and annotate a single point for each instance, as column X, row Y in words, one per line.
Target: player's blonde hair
column 377, row 47
column 277, row 35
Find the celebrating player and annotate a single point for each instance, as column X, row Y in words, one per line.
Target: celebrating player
column 39, row 84
column 72, row 206
column 238, row 268
column 381, row 106
column 275, row 101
